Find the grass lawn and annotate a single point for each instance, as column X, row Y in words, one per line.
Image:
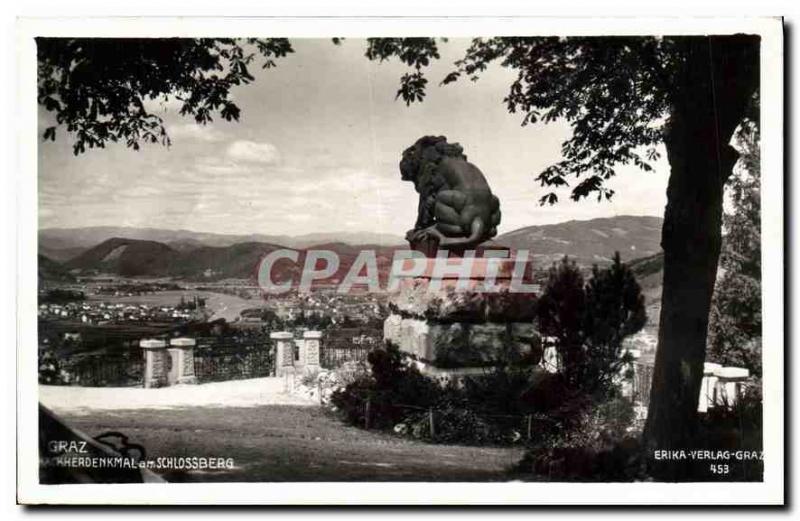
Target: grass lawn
column 290, row 443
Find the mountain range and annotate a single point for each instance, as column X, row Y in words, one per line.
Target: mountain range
column 66, row 243
column 183, row 253
column 589, row 242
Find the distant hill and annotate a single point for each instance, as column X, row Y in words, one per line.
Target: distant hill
column 66, row 243
column 131, row 257
column 189, row 254
column 126, row 257
column 235, row 261
column 351, row 238
column 52, row 271
column 60, row 254
column 589, row 242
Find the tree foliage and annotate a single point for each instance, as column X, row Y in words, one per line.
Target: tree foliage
column 97, row 88
column 614, row 91
column 589, row 321
column 560, row 314
column 414, row 52
column 735, row 319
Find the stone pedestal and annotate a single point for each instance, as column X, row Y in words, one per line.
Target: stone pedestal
column 461, row 315
column 182, row 352
column 284, row 352
column 156, row 362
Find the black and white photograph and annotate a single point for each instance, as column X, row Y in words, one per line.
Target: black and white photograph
column 518, row 256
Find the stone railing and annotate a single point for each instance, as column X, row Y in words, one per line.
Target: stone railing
column 720, row 387
column 170, row 362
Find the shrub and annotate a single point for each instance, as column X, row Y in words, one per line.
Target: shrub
column 588, row 441
column 589, row 320
column 350, row 401
column 619, row 462
column 391, row 385
column 49, row 370
column 490, row 409
column 484, row 409
column 456, row 426
column 349, row 372
column 310, row 378
column 500, row 391
column 738, row 428
column 546, row 392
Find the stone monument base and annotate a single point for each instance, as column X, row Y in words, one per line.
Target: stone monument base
column 467, row 324
column 452, row 345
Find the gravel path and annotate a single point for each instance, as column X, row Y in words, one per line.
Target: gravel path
column 234, row 393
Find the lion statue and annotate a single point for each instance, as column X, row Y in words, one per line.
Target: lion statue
column 457, row 210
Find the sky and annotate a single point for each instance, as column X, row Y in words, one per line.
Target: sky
column 316, row 150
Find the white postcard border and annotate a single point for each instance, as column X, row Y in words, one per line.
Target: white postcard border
column 771, row 491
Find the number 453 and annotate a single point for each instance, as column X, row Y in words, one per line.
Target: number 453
column 720, row 469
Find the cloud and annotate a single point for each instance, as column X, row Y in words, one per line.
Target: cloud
column 163, row 104
column 141, row 191
column 211, row 167
column 195, row 132
column 253, row 152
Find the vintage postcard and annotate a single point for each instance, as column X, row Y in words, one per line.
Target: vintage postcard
column 399, row 261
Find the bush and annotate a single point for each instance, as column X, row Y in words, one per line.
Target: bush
column 455, row 426
column 547, row 392
column 735, row 428
column 49, row 370
column 619, row 462
column 391, row 386
column 486, row 409
column 350, row 401
column 490, row 409
column 310, row 378
column 348, row 373
column 588, row 441
column 500, row 391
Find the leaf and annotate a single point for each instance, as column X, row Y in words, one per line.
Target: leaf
column 450, row 78
column 549, row 199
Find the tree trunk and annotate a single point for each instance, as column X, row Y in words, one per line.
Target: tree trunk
column 712, row 89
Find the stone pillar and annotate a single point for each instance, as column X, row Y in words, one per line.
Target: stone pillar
column 182, row 351
column 311, row 349
column 284, row 352
column 155, row 362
